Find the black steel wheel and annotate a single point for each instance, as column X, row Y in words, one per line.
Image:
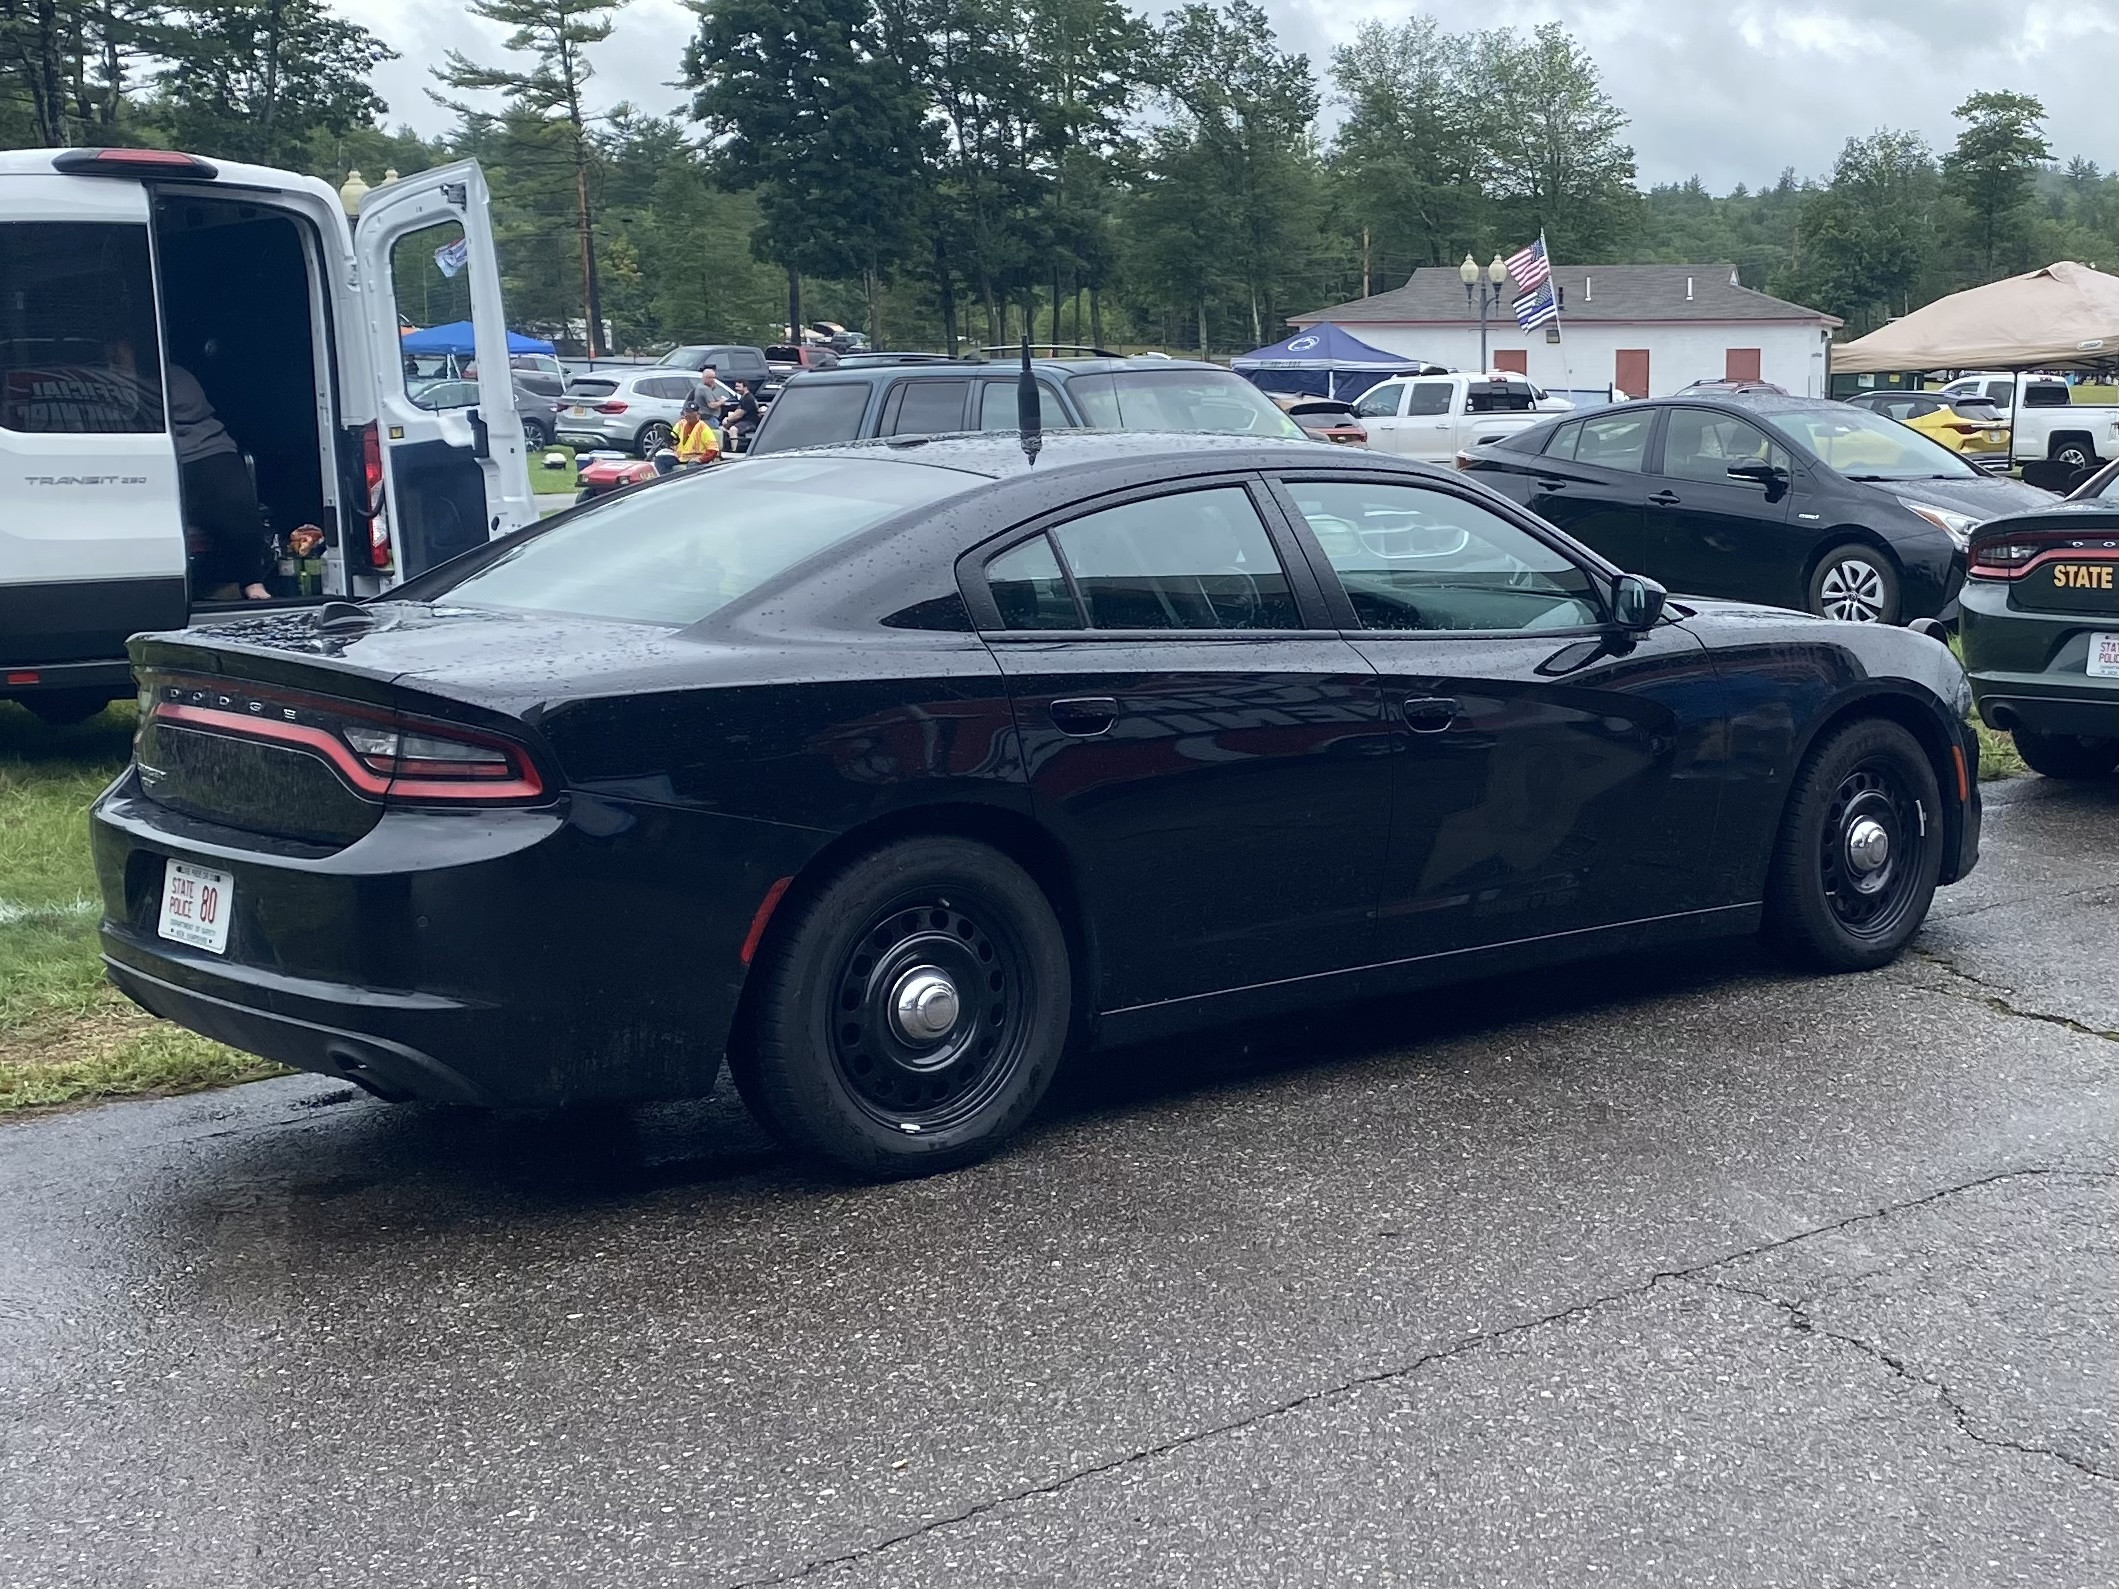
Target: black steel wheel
column 1859, row 850
column 911, row 1010
column 2066, row 755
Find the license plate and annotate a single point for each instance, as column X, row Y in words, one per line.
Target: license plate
column 196, row 905
column 1997, row 436
column 578, row 411
column 2104, row 656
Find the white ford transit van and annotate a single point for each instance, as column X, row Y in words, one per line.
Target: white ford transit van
column 118, row 263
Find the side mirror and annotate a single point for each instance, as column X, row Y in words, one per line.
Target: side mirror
column 1764, row 474
column 1636, row 603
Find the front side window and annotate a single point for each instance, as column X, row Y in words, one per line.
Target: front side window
column 692, row 545
column 79, row 351
column 1380, row 402
column 1416, row 559
column 1704, row 445
column 1430, row 397
column 1216, row 402
column 1194, row 560
column 813, row 415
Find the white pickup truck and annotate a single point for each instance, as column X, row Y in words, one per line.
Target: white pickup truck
column 2048, row 422
column 1435, row 417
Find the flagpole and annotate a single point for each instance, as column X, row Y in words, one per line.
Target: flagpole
column 1558, row 319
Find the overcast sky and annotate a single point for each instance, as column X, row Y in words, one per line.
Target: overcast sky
column 1728, row 90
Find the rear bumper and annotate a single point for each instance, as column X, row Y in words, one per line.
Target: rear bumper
column 2029, row 668
column 527, row 957
column 113, row 678
column 2010, row 704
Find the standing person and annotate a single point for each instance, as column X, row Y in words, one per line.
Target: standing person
column 716, row 396
column 219, row 500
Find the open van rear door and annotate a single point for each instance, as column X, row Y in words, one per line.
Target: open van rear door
column 453, row 478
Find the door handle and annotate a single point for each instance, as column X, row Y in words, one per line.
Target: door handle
column 1085, row 716
column 1551, row 485
column 1429, row 714
column 1665, row 499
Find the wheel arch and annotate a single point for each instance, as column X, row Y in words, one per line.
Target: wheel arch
column 1013, row 833
column 1918, row 718
column 2061, row 438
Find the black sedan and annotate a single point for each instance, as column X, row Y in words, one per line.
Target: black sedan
column 1793, row 501
column 890, row 771
column 2041, row 630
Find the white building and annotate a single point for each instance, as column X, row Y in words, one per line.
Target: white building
column 1646, row 329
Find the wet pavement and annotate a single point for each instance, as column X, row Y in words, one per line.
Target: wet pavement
column 1692, row 1271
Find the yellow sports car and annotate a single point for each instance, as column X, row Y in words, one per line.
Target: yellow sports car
column 1972, row 426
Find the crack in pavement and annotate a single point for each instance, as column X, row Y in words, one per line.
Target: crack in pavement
column 1946, row 916
column 1997, row 998
column 1799, row 1316
column 1441, row 1354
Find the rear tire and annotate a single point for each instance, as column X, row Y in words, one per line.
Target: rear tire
column 910, row 1013
column 64, row 708
column 2066, row 755
column 1859, row 850
column 2075, row 454
column 1855, row 583
column 536, row 434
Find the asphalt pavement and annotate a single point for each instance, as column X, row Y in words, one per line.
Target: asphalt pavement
column 1685, row 1272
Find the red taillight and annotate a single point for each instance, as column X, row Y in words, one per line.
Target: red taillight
column 378, row 519
column 381, row 755
column 2011, row 554
column 610, row 408
column 134, row 162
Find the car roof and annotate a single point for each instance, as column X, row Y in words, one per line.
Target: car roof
column 999, row 454
column 873, row 365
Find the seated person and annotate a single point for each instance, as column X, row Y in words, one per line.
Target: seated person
column 694, row 438
column 219, row 500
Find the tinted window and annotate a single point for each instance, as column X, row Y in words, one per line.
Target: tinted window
column 1196, row 560
column 1214, row 401
column 1616, row 441
column 1561, row 443
column 1866, row 446
column 1380, row 402
column 666, row 386
column 692, row 545
column 1415, row 559
column 1703, row 445
column 1512, row 397
column 997, row 409
column 592, row 388
column 784, row 354
column 1998, row 391
column 812, row 415
column 1030, row 590
column 78, row 346
column 2046, row 394
column 924, row 408
column 1430, row 397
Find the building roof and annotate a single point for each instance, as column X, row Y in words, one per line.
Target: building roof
column 1631, row 294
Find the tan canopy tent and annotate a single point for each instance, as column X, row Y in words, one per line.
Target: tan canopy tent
column 2064, row 316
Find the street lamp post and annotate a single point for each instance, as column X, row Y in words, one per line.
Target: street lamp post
column 1477, row 280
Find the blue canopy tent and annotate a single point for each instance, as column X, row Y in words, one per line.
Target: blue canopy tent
column 455, row 338
column 1323, row 361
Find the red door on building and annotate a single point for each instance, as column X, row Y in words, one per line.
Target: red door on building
column 1632, row 375
column 1516, row 359
column 1740, row 364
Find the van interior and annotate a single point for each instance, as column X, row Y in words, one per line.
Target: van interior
column 239, row 311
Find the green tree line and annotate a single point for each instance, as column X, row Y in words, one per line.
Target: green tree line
column 960, row 172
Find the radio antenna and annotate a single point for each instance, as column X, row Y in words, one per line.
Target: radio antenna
column 1029, row 414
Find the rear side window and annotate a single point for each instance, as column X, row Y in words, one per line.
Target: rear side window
column 1030, row 590
column 1196, row 560
column 1430, row 397
column 78, row 347
column 813, row 415
column 1616, row 441
column 924, row 408
column 997, row 407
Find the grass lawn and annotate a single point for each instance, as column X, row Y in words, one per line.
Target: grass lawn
column 65, row 1033
column 549, row 482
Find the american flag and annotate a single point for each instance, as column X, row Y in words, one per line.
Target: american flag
column 1529, row 268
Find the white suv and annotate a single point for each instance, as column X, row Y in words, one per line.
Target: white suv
column 634, row 410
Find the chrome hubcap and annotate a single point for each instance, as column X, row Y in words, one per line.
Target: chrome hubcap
column 925, row 1005
column 1853, row 591
column 1868, row 845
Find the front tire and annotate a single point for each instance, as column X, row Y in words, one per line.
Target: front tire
column 910, row 1013
column 1855, row 583
column 1859, row 850
column 653, row 438
column 2066, row 755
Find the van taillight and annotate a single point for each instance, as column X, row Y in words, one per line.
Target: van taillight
column 378, row 516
